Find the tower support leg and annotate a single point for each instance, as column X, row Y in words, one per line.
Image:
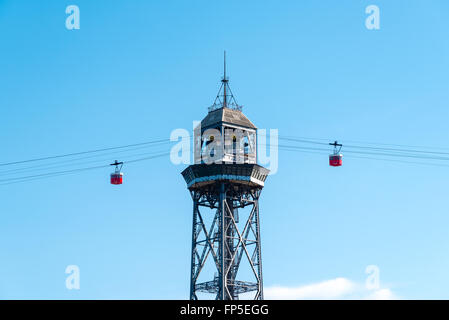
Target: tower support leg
column 227, row 240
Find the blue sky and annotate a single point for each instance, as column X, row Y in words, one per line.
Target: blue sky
column 136, row 70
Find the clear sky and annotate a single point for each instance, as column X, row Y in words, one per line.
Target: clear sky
column 136, row 70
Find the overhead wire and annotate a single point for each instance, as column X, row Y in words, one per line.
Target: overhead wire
column 369, row 158
column 71, row 162
column 82, row 152
column 294, row 143
column 401, row 155
column 364, row 142
column 59, row 173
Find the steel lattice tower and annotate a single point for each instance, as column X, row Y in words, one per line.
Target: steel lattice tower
column 225, row 184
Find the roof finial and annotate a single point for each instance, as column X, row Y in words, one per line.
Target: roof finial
column 224, row 65
column 225, row 83
column 225, row 98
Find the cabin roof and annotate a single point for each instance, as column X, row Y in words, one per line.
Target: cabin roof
column 227, row 115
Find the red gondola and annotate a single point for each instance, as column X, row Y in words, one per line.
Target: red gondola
column 336, row 159
column 117, row 176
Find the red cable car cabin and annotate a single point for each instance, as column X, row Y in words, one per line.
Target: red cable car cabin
column 335, row 160
column 117, row 176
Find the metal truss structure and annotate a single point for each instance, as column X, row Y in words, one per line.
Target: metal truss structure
column 222, row 241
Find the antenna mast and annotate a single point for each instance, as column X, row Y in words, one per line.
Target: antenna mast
column 225, row 83
column 222, row 101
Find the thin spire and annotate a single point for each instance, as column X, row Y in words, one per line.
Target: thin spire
column 225, row 82
column 227, row 99
column 224, row 65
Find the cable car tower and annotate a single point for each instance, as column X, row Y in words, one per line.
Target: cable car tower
column 225, row 183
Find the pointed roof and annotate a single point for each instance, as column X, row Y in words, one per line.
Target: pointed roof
column 225, row 108
column 227, row 115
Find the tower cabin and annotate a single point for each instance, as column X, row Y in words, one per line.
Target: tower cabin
column 225, row 135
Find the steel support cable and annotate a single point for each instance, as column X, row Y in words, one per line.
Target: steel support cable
column 372, row 158
column 302, row 140
column 397, row 145
column 393, row 151
column 78, row 163
column 295, row 139
column 393, row 154
column 148, row 158
column 401, row 161
column 73, row 162
column 282, row 147
column 58, row 172
column 299, row 147
column 306, row 152
column 30, row 179
column 84, row 152
column 310, row 140
column 65, row 172
column 401, row 155
column 396, row 150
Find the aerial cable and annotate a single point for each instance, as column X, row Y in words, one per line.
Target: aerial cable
column 46, row 167
column 308, row 139
column 397, row 150
column 396, row 153
column 83, row 152
column 401, row 155
column 302, row 140
column 400, row 161
column 373, row 158
column 76, row 160
column 51, row 173
column 58, row 173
